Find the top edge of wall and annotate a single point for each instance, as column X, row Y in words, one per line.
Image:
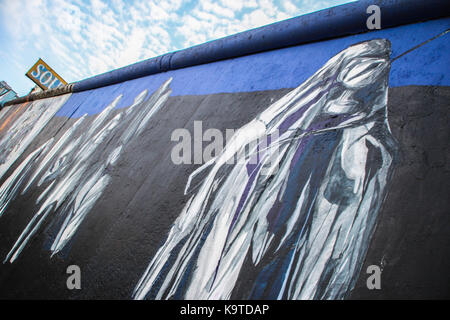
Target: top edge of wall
column 343, row 20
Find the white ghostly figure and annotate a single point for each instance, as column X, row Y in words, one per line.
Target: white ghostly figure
column 298, row 223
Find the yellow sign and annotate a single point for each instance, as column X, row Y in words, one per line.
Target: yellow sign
column 44, row 76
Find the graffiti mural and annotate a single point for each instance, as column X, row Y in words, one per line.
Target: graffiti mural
column 21, row 132
column 304, row 225
column 337, row 163
column 74, row 168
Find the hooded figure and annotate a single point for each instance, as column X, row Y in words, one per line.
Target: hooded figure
column 293, row 217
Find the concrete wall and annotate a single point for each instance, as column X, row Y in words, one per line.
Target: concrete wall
column 354, row 173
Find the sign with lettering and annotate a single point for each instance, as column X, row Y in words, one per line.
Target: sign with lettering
column 44, row 76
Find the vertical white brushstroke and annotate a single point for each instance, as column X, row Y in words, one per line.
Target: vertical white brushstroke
column 61, row 142
column 9, row 188
column 75, row 167
column 23, row 131
column 84, row 201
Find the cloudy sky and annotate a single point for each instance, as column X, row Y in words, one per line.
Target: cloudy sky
column 82, row 38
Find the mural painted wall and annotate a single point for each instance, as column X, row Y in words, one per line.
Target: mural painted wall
column 87, row 178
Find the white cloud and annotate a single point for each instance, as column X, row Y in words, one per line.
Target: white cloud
column 289, row 7
column 257, row 18
column 86, row 37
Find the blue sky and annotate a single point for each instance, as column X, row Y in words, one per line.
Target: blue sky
column 82, row 38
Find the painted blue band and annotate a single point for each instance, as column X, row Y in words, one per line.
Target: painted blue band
column 326, row 24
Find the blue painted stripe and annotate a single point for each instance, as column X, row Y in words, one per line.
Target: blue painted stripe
column 284, row 68
column 329, row 23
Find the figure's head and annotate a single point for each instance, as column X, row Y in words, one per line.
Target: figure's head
column 350, row 87
column 360, row 88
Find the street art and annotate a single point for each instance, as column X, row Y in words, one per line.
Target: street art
column 296, row 190
column 300, row 219
column 72, row 172
column 23, row 131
